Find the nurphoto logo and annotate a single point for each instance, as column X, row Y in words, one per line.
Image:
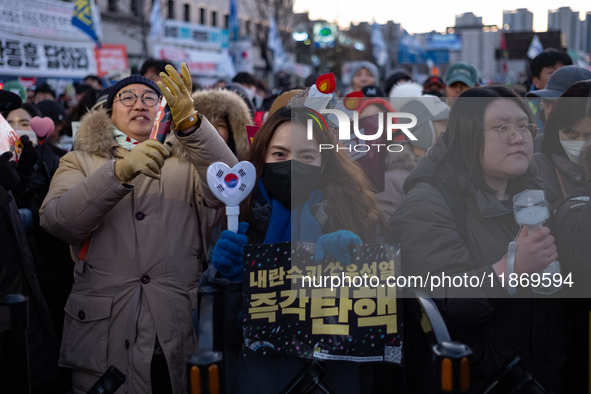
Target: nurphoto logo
column 346, row 135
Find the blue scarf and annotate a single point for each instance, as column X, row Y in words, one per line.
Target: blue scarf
column 279, row 229
column 304, row 228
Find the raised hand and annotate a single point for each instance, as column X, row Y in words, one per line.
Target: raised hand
column 178, row 95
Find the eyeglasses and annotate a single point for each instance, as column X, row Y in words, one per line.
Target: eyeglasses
column 129, row 99
column 508, row 132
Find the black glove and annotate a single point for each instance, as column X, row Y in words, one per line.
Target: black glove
column 8, row 175
column 39, row 184
column 29, row 157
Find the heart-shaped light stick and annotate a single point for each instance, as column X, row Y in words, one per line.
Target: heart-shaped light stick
column 42, row 127
column 231, row 186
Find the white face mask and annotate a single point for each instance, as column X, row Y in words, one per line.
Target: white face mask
column 31, row 134
column 573, row 149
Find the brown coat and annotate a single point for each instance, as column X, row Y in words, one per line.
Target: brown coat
column 138, row 280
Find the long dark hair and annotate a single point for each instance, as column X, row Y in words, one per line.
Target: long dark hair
column 343, row 183
column 567, row 111
column 465, row 137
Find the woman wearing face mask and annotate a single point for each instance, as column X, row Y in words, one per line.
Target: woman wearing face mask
column 489, row 147
column 565, row 134
column 20, row 120
column 301, row 195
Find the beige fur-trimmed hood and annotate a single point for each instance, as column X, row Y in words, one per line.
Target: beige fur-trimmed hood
column 95, row 136
column 217, row 103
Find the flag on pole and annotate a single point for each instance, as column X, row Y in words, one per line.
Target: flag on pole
column 96, row 19
column 234, row 22
column 409, row 50
column 535, row 48
column 380, row 50
column 84, row 20
column 274, row 44
column 156, row 23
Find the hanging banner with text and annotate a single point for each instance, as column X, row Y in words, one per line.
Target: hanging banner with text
column 185, row 33
column 24, row 56
column 203, row 63
column 294, row 306
column 35, row 18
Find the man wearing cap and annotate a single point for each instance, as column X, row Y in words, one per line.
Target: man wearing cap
column 18, row 272
column 398, row 76
column 559, row 81
column 459, row 77
column 434, row 85
column 432, row 115
column 132, row 209
column 16, row 87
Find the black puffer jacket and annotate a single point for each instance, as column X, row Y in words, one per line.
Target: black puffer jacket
column 494, row 326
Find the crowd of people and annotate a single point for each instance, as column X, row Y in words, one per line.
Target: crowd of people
column 111, row 234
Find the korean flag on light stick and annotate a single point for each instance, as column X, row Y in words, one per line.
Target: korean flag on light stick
column 231, row 186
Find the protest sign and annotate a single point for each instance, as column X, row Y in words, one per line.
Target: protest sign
column 110, row 58
column 162, row 123
column 9, row 140
column 283, row 314
column 24, row 56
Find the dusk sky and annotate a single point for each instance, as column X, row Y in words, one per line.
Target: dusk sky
column 422, row 16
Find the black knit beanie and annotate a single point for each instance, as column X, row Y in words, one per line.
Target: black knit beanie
column 129, row 81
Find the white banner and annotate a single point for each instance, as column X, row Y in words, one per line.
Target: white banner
column 184, row 33
column 35, row 18
column 202, row 63
column 25, row 57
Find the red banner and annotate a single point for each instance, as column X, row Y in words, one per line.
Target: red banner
column 110, row 58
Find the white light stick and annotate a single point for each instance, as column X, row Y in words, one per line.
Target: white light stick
column 231, row 186
column 317, row 100
column 531, row 209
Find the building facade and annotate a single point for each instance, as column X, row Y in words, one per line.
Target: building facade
column 518, row 20
column 567, row 21
column 127, row 22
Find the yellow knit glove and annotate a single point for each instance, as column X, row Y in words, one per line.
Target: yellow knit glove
column 178, row 96
column 145, row 158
